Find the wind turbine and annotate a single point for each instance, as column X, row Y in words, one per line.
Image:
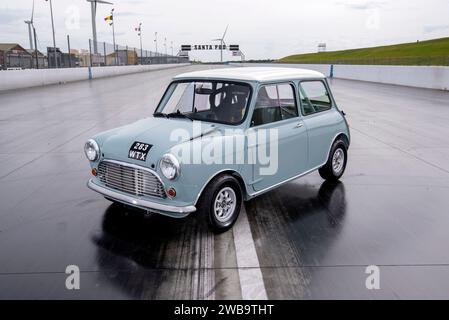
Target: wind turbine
column 30, row 23
column 93, row 8
column 222, row 43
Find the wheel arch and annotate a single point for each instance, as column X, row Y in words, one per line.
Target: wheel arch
column 344, row 137
column 231, row 172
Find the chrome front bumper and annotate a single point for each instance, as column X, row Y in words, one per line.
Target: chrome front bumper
column 173, row 211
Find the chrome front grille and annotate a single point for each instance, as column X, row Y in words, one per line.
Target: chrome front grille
column 130, row 179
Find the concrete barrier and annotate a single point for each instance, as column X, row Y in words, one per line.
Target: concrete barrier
column 17, row 79
column 429, row 77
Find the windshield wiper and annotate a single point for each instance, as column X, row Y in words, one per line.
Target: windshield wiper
column 178, row 114
column 159, row 114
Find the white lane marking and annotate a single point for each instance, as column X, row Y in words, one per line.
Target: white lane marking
column 251, row 279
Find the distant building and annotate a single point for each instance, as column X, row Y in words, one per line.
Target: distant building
column 12, row 55
column 124, row 57
column 83, row 57
column 64, row 60
column 321, row 47
column 51, row 57
column 41, row 59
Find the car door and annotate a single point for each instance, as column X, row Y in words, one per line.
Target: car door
column 320, row 117
column 276, row 119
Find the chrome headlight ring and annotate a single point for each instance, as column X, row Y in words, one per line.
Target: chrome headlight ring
column 92, row 150
column 170, row 166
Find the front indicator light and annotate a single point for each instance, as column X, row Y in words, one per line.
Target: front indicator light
column 171, row 192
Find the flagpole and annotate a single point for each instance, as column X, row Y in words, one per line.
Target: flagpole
column 140, row 34
column 155, row 41
column 113, row 36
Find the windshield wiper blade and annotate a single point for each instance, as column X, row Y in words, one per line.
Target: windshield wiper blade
column 159, row 114
column 178, row 115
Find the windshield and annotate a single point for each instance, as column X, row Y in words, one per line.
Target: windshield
column 214, row 101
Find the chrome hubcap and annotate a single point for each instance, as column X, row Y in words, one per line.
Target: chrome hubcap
column 224, row 204
column 338, row 160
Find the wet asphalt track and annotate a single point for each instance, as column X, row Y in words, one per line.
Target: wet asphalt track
column 311, row 239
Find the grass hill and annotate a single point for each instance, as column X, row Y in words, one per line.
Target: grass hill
column 430, row 52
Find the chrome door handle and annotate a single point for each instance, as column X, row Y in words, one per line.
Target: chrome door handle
column 299, row 125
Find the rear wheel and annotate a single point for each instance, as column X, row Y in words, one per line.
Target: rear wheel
column 336, row 163
column 221, row 202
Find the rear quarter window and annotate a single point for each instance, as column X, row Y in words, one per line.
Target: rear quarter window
column 314, row 97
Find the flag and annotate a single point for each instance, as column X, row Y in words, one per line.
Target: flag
column 108, row 18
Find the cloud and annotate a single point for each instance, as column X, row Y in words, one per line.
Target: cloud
column 362, row 5
column 9, row 16
column 433, row 28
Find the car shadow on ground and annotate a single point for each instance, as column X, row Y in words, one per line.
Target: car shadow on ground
column 157, row 257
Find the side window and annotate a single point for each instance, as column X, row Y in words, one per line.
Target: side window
column 274, row 103
column 287, row 101
column 314, row 97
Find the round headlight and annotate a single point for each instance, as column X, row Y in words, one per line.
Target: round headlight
column 92, row 150
column 169, row 166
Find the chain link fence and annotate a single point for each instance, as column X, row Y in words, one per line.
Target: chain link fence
column 95, row 54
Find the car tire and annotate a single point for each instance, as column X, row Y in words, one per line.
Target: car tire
column 221, row 202
column 336, row 163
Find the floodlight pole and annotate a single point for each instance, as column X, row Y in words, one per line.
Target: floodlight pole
column 140, row 34
column 35, row 48
column 93, row 10
column 155, row 41
column 113, row 36
column 53, row 29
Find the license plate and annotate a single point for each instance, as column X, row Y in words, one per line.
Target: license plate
column 139, row 151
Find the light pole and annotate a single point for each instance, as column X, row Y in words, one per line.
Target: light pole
column 53, row 28
column 155, row 41
column 171, row 46
column 93, row 9
column 113, row 36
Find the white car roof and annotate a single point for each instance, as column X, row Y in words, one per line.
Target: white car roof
column 260, row 74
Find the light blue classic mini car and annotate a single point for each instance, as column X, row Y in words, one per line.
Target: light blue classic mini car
column 219, row 137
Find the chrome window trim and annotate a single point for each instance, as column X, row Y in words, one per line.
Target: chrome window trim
column 325, row 84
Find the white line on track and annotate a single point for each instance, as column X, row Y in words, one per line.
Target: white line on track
column 251, row 279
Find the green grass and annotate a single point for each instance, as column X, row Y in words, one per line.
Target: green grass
column 430, row 52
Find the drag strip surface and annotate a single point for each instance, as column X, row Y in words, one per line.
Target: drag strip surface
column 307, row 239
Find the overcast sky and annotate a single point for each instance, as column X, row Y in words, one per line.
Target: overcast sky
column 264, row 29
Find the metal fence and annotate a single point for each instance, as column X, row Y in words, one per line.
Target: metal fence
column 97, row 54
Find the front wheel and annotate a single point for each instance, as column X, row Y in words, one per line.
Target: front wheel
column 221, row 202
column 336, row 163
